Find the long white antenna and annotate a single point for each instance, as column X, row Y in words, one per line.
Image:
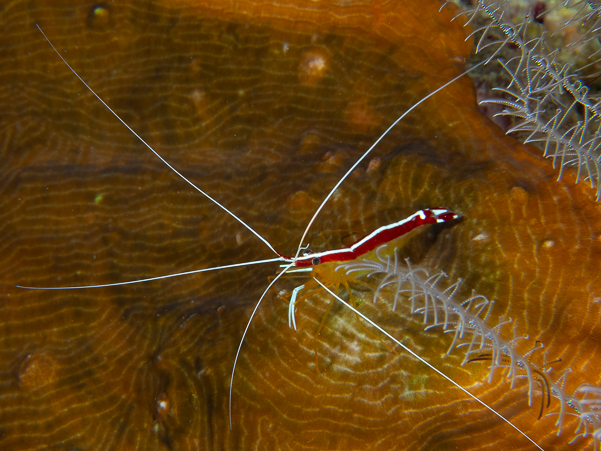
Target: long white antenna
column 252, row 315
column 331, row 193
column 425, row 362
column 156, row 153
column 130, row 282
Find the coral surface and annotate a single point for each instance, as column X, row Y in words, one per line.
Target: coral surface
column 265, row 107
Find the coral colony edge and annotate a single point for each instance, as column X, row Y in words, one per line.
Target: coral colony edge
column 265, row 107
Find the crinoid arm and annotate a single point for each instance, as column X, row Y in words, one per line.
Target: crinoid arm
column 425, row 362
column 467, row 319
column 545, row 97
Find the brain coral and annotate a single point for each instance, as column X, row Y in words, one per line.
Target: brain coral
column 265, row 107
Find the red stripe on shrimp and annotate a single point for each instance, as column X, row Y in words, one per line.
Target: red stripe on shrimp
column 378, row 237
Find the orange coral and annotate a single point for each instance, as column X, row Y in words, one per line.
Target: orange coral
column 217, row 91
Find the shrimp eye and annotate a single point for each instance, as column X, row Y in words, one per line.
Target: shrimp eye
column 316, row 261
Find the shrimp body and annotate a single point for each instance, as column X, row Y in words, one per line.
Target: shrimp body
column 378, row 237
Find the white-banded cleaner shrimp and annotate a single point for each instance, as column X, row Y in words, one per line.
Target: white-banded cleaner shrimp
column 215, row 289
